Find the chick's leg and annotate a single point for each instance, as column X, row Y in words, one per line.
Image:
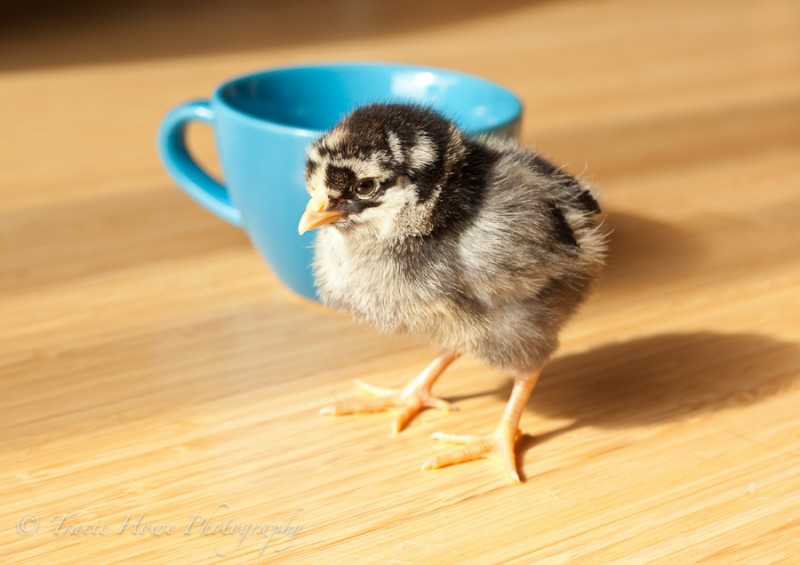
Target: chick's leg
column 501, row 444
column 411, row 399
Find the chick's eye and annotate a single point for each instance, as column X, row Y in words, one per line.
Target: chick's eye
column 365, row 187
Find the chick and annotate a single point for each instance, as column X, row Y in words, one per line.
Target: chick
column 478, row 245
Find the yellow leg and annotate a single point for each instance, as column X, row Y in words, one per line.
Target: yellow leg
column 501, row 444
column 411, row 399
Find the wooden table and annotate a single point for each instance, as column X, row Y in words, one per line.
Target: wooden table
column 158, row 390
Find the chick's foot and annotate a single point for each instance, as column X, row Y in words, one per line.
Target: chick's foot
column 410, row 400
column 501, row 444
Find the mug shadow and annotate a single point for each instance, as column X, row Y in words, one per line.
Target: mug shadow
column 657, row 379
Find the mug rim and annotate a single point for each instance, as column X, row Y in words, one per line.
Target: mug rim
column 218, row 98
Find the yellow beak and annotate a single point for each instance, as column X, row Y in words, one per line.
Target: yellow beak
column 316, row 215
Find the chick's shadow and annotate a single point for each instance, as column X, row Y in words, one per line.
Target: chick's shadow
column 658, row 379
column 643, row 250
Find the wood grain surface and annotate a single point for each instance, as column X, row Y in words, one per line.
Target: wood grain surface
column 159, row 390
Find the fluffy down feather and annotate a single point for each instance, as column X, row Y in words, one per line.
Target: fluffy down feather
column 481, row 246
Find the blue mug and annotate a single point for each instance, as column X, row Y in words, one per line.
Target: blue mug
column 264, row 122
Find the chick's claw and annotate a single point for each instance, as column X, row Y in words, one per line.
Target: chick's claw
column 378, row 391
column 356, row 406
column 410, row 401
column 500, row 445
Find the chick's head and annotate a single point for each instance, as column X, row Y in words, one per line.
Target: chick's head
column 377, row 174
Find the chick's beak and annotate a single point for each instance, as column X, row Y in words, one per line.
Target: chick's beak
column 316, row 215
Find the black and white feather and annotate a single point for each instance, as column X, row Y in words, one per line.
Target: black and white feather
column 480, row 246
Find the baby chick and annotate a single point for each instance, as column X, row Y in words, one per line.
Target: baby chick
column 478, row 245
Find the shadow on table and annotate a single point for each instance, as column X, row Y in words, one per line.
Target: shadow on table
column 644, row 250
column 660, row 378
column 48, row 33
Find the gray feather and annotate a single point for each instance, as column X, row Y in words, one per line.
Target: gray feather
column 497, row 282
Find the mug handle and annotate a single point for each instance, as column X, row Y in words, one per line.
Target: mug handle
column 182, row 167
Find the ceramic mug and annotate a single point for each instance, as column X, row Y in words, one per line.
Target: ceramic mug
column 263, row 123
